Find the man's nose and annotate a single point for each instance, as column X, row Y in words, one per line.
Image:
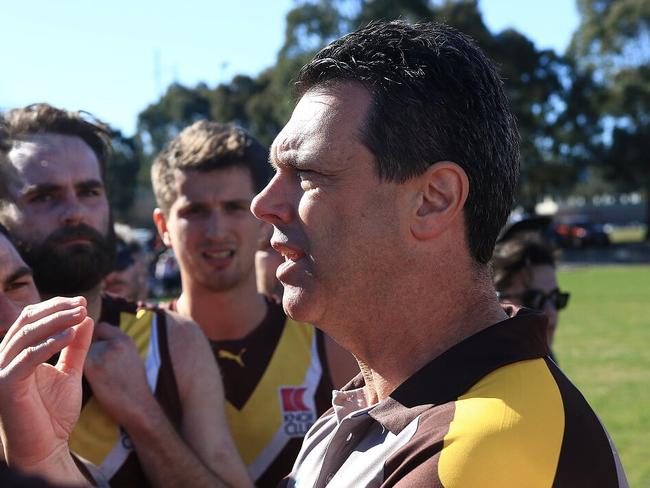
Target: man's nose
column 273, row 203
column 215, row 225
column 72, row 212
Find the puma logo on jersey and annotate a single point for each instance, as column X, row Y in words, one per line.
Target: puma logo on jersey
column 224, row 354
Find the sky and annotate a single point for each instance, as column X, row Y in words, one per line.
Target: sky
column 115, row 58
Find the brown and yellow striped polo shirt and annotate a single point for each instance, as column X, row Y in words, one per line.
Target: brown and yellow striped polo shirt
column 493, row 411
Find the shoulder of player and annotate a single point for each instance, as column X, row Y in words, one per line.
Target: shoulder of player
column 183, row 333
column 506, row 428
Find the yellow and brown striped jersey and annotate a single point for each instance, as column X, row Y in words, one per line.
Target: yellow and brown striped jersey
column 97, row 438
column 277, row 384
column 493, row 411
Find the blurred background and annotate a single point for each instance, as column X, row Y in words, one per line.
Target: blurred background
column 577, row 74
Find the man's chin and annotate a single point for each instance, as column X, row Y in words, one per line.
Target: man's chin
column 299, row 305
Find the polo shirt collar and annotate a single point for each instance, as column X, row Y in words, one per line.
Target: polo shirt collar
column 453, row 373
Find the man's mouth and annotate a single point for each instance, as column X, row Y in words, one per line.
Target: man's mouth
column 218, row 254
column 288, row 252
column 76, row 240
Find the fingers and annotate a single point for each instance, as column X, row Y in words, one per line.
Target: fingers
column 37, row 311
column 35, row 332
column 26, row 361
column 74, row 355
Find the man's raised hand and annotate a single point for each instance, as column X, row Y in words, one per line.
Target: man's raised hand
column 40, row 403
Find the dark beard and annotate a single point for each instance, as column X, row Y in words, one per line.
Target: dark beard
column 71, row 269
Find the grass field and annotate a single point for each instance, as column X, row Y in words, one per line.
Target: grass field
column 603, row 344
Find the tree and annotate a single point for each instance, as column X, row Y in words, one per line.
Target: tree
column 263, row 104
column 613, row 43
column 163, row 120
column 122, row 174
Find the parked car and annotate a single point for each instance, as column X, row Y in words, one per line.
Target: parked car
column 580, row 232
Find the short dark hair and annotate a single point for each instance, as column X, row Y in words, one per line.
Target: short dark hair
column 207, row 146
column 520, row 253
column 42, row 118
column 436, row 97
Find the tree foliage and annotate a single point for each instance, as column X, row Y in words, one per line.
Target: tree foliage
column 559, row 101
column 122, row 174
column 612, row 44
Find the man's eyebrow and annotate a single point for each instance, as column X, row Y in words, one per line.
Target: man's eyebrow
column 18, row 273
column 41, row 188
column 87, row 184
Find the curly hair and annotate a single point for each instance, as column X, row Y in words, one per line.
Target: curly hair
column 207, row 146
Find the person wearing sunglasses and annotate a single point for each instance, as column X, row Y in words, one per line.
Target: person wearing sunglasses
column 524, row 275
column 129, row 275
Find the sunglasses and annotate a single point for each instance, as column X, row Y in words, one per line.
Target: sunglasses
column 536, row 299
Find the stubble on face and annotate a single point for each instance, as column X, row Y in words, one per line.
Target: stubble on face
column 341, row 237
column 64, row 268
column 66, row 258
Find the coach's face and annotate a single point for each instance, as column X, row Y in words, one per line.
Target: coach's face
column 59, row 213
column 338, row 226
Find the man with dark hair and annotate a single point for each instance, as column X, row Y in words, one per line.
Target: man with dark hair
column 154, row 411
column 394, row 175
column 392, row 264
column 278, row 374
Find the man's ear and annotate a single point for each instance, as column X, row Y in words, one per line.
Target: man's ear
column 160, row 221
column 443, row 190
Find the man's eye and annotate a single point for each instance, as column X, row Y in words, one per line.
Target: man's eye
column 235, row 206
column 192, row 211
column 17, row 285
column 41, row 198
column 91, row 192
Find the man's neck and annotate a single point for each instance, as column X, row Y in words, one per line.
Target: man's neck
column 223, row 315
column 423, row 328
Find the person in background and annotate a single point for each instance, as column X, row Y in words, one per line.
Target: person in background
column 129, row 276
column 39, row 403
column 153, row 414
column 524, row 275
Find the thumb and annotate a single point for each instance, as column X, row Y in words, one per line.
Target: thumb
column 74, row 354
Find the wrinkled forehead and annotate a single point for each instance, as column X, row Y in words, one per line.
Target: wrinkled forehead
column 325, row 118
column 51, row 158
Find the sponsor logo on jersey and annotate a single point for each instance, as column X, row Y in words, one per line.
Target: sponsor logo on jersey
column 297, row 416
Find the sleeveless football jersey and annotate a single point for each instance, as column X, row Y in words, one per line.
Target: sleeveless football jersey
column 96, row 437
column 277, row 385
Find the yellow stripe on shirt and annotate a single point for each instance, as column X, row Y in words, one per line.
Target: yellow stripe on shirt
column 506, row 432
column 96, row 433
column 255, row 425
